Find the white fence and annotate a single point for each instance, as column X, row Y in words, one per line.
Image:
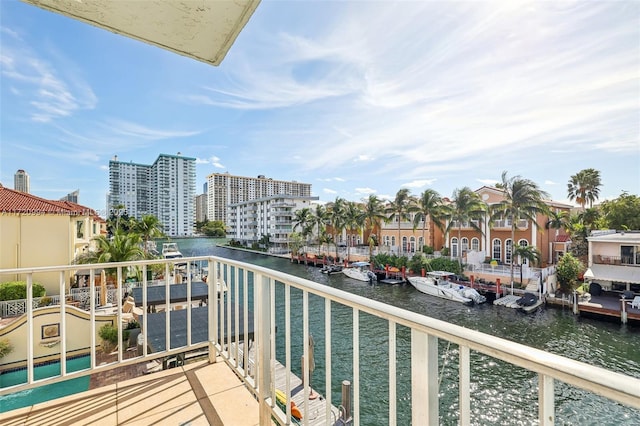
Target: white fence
column 248, row 313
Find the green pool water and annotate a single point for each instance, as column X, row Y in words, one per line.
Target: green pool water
column 47, row 392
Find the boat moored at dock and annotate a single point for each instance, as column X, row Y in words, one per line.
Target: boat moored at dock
column 436, row 283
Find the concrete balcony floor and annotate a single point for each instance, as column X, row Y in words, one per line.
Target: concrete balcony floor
column 195, row 394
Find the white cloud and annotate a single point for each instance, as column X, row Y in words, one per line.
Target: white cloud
column 549, row 182
column 213, row 160
column 329, row 191
column 489, row 182
column 365, row 191
column 418, row 183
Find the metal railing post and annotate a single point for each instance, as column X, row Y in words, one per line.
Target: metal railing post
column 424, row 378
column 263, row 351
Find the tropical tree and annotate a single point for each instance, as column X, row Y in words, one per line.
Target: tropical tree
column 622, row 212
column 336, row 218
column 303, row 220
column 353, row 220
column 523, row 200
column 466, row 208
column 556, row 220
column 373, row 216
column 400, row 209
column 319, row 219
column 528, row 253
column 428, row 208
column 148, row 227
column 121, row 247
column 584, row 187
column 567, row 271
column 118, row 220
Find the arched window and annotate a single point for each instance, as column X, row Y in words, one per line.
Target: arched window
column 393, row 241
column 420, row 243
column 475, row 244
column 464, row 244
column 404, row 244
column 387, row 242
column 497, row 249
column 354, row 240
column 507, row 251
column 412, row 244
column 523, row 243
column 454, row 247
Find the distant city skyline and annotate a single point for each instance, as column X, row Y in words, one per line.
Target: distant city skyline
column 449, row 94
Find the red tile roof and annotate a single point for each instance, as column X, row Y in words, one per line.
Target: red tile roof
column 563, row 238
column 22, row 203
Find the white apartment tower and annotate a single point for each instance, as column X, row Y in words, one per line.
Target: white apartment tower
column 224, row 189
column 249, row 221
column 165, row 189
column 21, row 181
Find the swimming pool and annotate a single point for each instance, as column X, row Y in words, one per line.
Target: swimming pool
column 47, row 392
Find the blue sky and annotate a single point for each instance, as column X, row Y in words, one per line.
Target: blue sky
column 353, row 97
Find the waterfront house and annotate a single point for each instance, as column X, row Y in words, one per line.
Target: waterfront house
column 41, row 232
column 614, row 260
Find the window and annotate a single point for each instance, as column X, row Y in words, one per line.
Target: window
column 404, row 244
column 420, row 242
column 497, row 249
column 80, row 229
column 393, row 241
column 412, row 244
column 630, row 255
column 454, row 247
column 475, row 244
column 523, row 243
column 507, row 251
column 464, row 245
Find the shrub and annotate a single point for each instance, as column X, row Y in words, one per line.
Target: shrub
column 45, row 301
column 427, row 250
column 5, row 347
column 109, row 335
column 16, row 290
column 132, row 325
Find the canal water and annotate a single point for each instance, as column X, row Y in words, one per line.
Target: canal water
column 501, row 394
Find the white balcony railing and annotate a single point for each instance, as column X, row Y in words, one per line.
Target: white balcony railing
column 248, row 313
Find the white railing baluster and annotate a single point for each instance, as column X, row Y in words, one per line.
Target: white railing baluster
column 287, row 344
column 236, row 305
column 327, row 355
column 424, row 378
column 189, row 301
column 272, row 335
column 305, row 352
column 30, row 328
column 119, row 312
column 464, row 370
column 245, row 312
column 92, row 321
column 63, row 325
column 393, row 412
column 356, row 367
column 212, row 308
column 546, row 405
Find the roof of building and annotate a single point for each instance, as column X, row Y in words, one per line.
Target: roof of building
column 12, row 201
column 612, row 236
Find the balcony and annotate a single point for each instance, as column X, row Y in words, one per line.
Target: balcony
column 270, row 311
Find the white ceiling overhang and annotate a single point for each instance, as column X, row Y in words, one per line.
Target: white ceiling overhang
column 624, row 274
column 203, row 30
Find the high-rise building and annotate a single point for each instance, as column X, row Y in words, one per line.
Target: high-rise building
column 165, row 189
column 201, row 207
column 269, row 217
column 21, row 181
column 72, row 196
column 225, row 189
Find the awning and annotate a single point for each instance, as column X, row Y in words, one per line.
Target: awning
column 624, row 274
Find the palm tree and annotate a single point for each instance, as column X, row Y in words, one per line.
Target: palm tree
column 121, row 247
column 303, row 219
column 466, row 208
column 584, row 187
column 336, row 218
column 319, row 218
column 373, row 215
column 429, row 206
column 400, row 209
column 148, row 227
column 523, row 199
column 556, row 220
column 353, row 220
column 529, row 253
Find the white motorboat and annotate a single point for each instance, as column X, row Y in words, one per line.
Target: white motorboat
column 170, row 251
column 436, row 283
column 360, row 271
column 331, row 269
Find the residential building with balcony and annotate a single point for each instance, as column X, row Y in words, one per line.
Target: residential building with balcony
column 272, row 216
column 614, row 260
column 165, row 189
column 495, row 241
column 39, row 232
column 225, row 189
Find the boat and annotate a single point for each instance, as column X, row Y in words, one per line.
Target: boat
column 331, row 269
column 360, row 271
column 170, row 251
column 437, row 283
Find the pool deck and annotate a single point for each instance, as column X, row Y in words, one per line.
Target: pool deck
column 194, row 394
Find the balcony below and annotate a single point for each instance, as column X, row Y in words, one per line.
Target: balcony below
column 197, row 394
